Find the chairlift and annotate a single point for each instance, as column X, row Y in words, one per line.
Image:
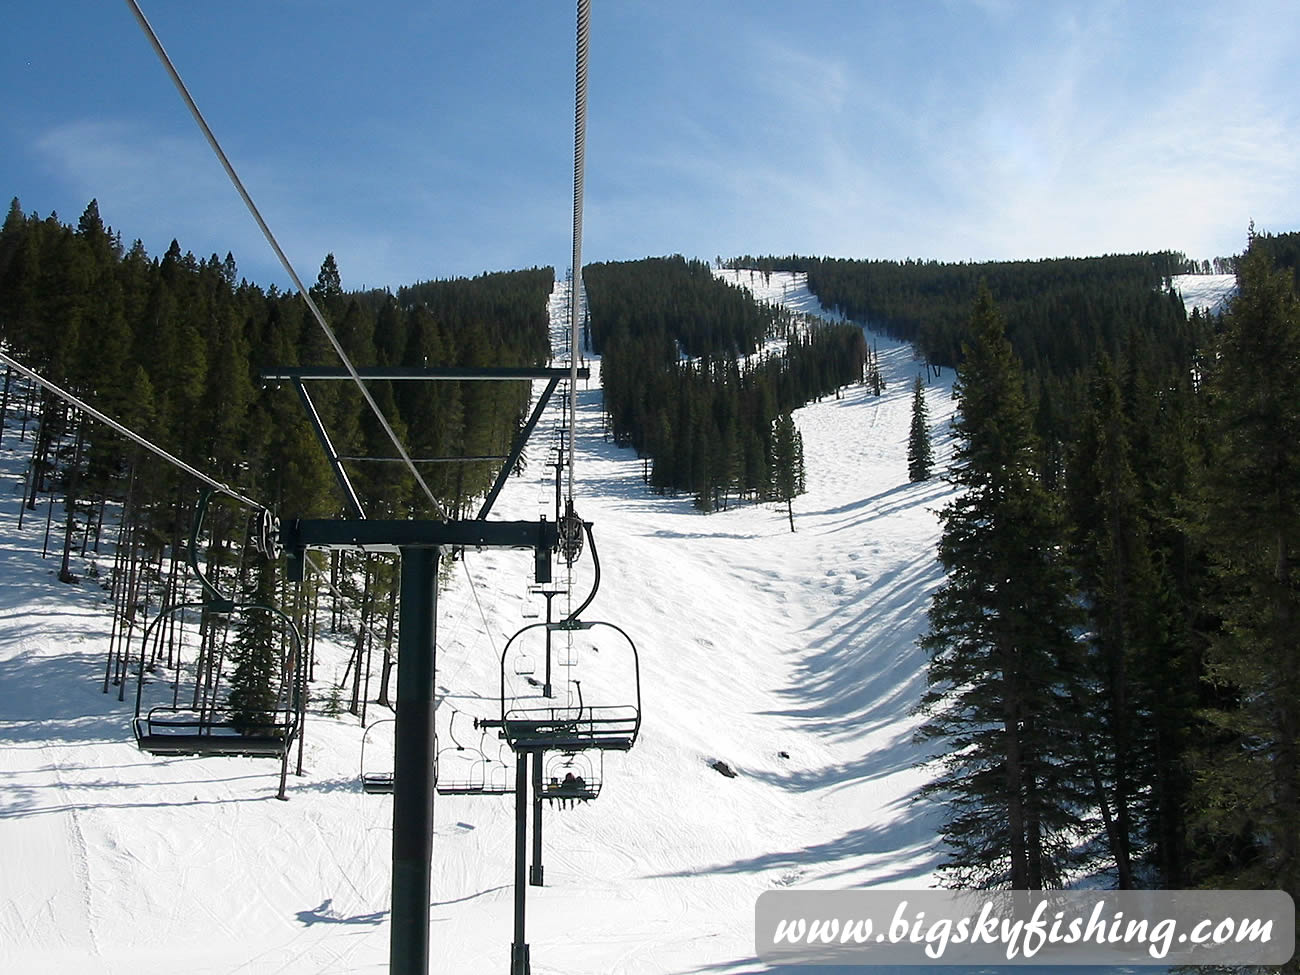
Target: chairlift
column 377, row 776
column 572, row 776
column 462, row 771
column 456, row 757
column 500, row 779
column 205, row 727
column 601, row 724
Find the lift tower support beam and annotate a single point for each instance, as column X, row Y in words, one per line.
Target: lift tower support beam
column 419, row 544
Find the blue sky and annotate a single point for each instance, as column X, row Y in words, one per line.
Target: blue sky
column 427, row 139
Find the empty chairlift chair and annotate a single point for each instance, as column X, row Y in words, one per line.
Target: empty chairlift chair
column 377, row 769
column 467, row 771
column 207, row 723
column 604, row 715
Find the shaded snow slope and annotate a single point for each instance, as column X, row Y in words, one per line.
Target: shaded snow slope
column 754, row 641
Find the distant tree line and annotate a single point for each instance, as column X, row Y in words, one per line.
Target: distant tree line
column 1115, row 674
column 685, row 382
column 1059, row 313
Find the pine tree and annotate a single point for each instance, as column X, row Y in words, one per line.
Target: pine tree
column 1002, row 655
column 1166, row 430
column 920, row 455
column 1111, row 554
column 1249, row 790
column 328, row 289
column 788, row 477
column 254, row 685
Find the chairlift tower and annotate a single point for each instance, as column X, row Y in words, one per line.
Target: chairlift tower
column 419, row 544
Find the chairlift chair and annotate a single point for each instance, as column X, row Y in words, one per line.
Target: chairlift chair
column 573, row 776
column 211, row 729
column 376, row 778
column 463, row 771
column 527, row 726
column 203, row 727
column 470, row 762
column 500, row 780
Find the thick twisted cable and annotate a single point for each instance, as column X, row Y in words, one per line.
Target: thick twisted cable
column 579, row 170
column 279, row 253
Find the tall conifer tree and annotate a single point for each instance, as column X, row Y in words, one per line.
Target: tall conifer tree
column 1002, row 654
column 920, row 454
column 254, row 683
column 1250, row 786
column 1112, row 556
column 788, row 478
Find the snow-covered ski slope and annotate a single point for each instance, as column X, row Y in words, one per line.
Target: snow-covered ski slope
column 1208, row 292
column 789, row 656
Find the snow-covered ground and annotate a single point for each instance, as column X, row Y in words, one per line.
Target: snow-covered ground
column 1208, row 292
column 789, row 656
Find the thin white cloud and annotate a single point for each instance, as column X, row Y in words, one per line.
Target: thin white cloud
column 171, row 186
column 1040, row 130
column 384, row 227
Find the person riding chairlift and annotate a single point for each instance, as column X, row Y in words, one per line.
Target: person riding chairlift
column 572, row 787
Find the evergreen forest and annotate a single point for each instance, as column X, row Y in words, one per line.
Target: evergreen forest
column 173, row 347
column 685, row 383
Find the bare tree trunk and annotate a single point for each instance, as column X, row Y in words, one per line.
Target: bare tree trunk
column 49, row 520
column 40, row 451
column 365, row 696
column 387, row 669
column 27, row 410
column 354, row 707
column 315, row 627
column 99, row 522
column 336, row 558
column 142, row 579
column 1016, row 819
column 128, row 619
column 119, row 608
column 4, row 402
column 115, row 581
column 27, row 486
column 70, row 503
column 90, row 520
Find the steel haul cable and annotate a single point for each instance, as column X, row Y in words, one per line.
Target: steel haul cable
column 579, row 172
column 275, row 246
column 584, row 13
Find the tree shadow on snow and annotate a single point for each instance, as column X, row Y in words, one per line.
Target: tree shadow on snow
column 868, row 674
column 907, row 842
column 60, row 697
